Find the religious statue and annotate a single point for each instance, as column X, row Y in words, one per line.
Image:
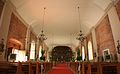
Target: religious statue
column 2, row 45
column 118, row 47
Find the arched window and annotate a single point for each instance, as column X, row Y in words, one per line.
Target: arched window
column 83, row 53
column 40, row 48
column 90, row 50
column 32, row 50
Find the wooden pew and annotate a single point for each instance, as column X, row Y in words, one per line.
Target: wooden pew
column 38, row 67
column 43, row 67
column 96, row 67
column 83, row 68
column 24, row 67
column 19, row 68
column 77, row 65
column 102, row 68
column 47, row 66
column 118, row 68
column 32, row 67
column 7, row 68
column 35, row 67
column 87, row 69
column 74, row 66
column 109, row 68
column 92, row 67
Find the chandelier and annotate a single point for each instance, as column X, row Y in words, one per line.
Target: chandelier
column 42, row 36
column 80, row 36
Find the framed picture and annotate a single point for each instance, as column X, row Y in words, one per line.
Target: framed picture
column 106, row 52
column 106, row 55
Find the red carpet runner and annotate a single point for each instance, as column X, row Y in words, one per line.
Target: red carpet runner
column 61, row 69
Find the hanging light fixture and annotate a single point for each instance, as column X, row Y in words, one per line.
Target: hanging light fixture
column 42, row 36
column 80, row 36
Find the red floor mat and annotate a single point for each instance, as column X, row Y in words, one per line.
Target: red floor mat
column 61, row 69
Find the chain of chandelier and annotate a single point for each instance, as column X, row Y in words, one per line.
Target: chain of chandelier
column 79, row 37
column 42, row 36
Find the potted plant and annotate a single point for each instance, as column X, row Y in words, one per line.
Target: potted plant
column 79, row 58
column 42, row 57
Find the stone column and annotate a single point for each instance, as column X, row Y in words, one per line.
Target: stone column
column 95, row 52
column 4, row 26
column 37, row 48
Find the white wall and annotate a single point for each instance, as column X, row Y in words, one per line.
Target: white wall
column 115, row 25
column 5, row 21
column 2, row 14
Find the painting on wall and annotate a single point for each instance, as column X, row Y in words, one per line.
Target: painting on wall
column 106, row 55
column 106, row 52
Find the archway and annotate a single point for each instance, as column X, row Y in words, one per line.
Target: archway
column 61, row 54
column 15, row 47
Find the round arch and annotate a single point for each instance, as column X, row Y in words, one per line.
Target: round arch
column 61, row 54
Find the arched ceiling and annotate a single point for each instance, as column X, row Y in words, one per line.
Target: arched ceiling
column 61, row 18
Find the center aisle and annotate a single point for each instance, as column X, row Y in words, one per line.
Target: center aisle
column 61, row 69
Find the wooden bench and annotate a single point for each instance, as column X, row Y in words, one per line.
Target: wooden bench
column 47, row 66
column 74, row 66
column 25, row 67
column 8, row 68
column 109, row 68
column 96, row 67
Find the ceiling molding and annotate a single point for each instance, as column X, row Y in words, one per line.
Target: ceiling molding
column 115, row 1
column 109, row 7
column 106, row 13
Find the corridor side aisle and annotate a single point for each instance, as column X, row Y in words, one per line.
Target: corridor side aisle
column 61, row 69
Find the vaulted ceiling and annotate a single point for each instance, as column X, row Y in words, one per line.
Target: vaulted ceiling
column 61, row 18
